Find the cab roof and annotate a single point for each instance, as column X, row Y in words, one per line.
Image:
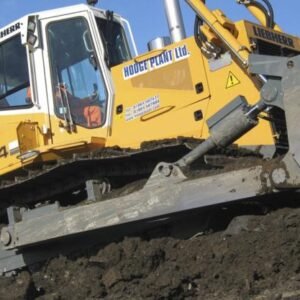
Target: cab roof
column 17, row 26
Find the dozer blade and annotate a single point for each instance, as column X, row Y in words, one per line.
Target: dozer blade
column 158, row 199
column 51, row 222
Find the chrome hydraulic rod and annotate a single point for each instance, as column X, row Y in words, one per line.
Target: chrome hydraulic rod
column 226, row 131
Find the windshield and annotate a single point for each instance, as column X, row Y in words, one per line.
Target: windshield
column 14, row 80
column 115, row 42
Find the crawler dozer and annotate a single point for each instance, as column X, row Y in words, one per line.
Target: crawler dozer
column 84, row 116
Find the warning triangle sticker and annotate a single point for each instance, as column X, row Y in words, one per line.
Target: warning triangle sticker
column 232, row 80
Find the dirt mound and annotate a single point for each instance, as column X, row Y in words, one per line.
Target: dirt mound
column 257, row 257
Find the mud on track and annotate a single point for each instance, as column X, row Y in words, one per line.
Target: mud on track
column 256, row 257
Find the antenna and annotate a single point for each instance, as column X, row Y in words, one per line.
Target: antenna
column 92, row 2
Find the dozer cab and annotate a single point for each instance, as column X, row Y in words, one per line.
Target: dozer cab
column 84, row 114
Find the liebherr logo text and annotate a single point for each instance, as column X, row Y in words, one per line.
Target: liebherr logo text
column 156, row 62
column 10, row 30
column 272, row 36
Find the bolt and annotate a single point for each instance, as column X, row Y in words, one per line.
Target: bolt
column 290, row 64
column 269, row 93
column 279, row 176
column 5, row 237
column 166, row 170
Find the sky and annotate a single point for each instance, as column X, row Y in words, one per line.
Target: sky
column 147, row 17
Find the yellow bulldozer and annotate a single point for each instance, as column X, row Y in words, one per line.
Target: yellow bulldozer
column 82, row 114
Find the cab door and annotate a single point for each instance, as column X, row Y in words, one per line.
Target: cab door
column 79, row 90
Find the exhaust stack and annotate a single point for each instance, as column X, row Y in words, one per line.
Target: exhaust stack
column 175, row 20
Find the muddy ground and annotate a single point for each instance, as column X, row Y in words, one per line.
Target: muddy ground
column 256, row 257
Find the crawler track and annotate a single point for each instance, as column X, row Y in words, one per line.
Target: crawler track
column 45, row 182
column 56, row 180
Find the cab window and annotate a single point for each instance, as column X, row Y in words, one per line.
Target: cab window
column 115, row 42
column 14, row 80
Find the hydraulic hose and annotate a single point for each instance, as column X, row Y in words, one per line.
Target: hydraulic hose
column 266, row 9
column 271, row 13
column 198, row 35
column 263, row 9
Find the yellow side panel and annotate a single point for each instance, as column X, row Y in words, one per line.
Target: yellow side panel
column 161, row 102
column 174, row 101
column 27, row 133
column 20, row 133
